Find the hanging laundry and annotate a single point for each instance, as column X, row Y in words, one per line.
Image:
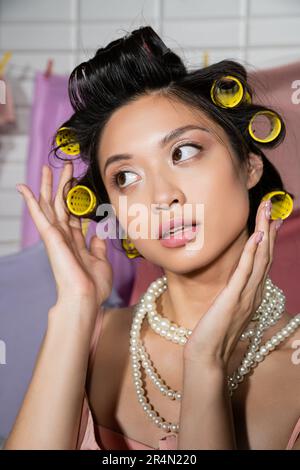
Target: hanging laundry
column 7, row 108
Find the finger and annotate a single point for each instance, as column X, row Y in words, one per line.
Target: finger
column 242, row 274
column 262, row 259
column 41, row 222
column 46, row 184
column 61, row 211
column 273, row 236
column 79, row 240
column 98, row 247
column 243, row 271
column 75, row 222
column 77, row 233
column 45, row 198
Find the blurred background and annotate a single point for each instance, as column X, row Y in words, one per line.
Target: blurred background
column 41, row 41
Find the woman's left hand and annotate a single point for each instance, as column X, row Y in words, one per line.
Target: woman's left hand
column 217, row 333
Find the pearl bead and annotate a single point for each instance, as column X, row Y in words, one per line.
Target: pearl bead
column 175, row 339
column 146, row 407
column 246, row 362
column 136, row 373
column 165, row 323
column 264, row 350
column 173, row 427
column 138, row 382
column 133, row 341
column 149, row 298
column 157, row 420
column 258, row 357
column 243, row 370
column 165, row 426
column 181, row 331
column 163, row 389
column 250, row 355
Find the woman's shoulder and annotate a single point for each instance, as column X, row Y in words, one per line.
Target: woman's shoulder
column 290, row 342
column 283, row 363
column 115, row 319
column 112, row 328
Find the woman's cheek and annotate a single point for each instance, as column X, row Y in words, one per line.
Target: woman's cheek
column 226, row 214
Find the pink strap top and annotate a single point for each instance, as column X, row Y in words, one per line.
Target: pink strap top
column 92, row 436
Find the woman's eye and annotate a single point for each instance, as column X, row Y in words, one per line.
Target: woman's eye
column 119, row 178
column 192, row 150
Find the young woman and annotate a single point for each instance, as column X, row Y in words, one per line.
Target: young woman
column 155, row 134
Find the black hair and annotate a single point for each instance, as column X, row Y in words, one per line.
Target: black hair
column 139, row 64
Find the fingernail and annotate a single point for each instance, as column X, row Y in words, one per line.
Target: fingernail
column 268, row 209
column 19, row 188
column 259, row 237
column 268, row 203
column 278, row 223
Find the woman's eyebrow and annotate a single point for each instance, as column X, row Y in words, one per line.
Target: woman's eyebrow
column 164, row 141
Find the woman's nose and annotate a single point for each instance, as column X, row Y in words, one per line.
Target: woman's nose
column 165, row 197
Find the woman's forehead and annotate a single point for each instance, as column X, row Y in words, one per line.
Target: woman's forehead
column 146, row 120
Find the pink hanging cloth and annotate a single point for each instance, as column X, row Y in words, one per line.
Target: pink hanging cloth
column 7, row 108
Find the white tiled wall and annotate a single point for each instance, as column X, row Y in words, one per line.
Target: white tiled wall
column 259, row 33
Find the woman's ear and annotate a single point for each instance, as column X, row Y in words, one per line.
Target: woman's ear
column 255, row 168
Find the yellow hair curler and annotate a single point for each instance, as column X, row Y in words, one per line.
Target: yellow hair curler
column 275, row 123
column 81, row 200
column 131, row 251
column 282, row 204
column 228, row 92
column 248, row 98
column 66, row 139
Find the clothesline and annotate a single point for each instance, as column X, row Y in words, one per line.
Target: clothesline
column 50, row 63
column 6, row 58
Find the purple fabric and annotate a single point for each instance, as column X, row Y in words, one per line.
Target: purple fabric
column 51, row 107
column 27, row 291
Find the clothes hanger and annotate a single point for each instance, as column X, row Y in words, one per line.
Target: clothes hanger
column 3, row 62
column 205, row 59
column 49, row 68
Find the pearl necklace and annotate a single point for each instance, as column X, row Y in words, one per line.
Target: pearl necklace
column 273, row 303
column 266, row 315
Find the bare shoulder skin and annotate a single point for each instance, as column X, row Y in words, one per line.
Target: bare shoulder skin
column 266, row 406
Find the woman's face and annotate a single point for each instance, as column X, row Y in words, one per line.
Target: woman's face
column 195, row 167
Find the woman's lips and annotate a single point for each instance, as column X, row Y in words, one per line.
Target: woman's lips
column 180, row 237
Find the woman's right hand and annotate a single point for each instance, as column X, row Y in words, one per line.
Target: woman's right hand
column 81, row 273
